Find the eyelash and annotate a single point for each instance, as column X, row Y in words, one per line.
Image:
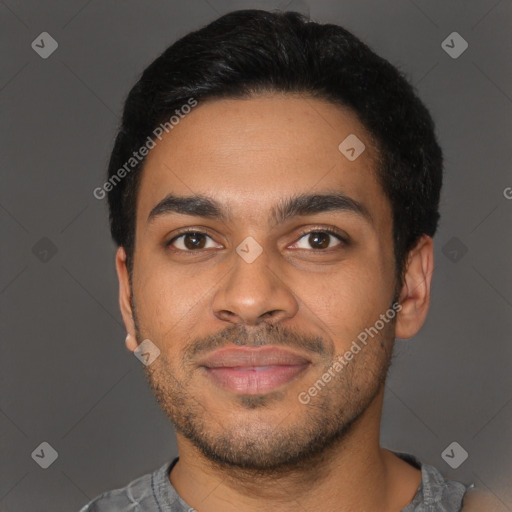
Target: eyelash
column 344, row 241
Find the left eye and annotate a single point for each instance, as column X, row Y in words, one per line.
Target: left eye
column 319, row 240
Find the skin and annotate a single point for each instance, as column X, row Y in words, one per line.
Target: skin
column 271, row 451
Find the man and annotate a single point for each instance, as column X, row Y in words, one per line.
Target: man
column 273, row 191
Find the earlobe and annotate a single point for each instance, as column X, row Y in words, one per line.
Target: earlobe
column 130, row 342
column 415, row 293
column 125, row 299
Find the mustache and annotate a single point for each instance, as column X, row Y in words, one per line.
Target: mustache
column 267, row 334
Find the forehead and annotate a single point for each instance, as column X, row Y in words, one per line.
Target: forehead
column 249, row 154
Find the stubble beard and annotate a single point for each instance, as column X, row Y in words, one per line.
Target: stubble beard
column 277, row 448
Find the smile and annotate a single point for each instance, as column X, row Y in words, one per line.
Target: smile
column 253, row 370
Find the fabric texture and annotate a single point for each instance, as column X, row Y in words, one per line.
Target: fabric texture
column 153, row 492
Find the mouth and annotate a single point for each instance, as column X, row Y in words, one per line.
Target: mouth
column 253, row 370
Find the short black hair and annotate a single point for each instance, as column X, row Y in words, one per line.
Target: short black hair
column 248, row 52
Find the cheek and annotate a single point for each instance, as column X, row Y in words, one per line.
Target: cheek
column 163, row 298
column 173, row 300
column 347, row 299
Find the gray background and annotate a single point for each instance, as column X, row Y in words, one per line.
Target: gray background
column 66, row 377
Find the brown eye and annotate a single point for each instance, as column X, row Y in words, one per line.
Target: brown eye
column 194, row 241
column 191, row 241
column 319, row 240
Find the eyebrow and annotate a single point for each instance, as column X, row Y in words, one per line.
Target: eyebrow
column 295, row 206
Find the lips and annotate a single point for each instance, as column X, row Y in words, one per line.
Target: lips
column 253, row 370
column 246, row 357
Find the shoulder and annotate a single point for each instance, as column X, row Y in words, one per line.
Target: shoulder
column 136, row 496
column 438, row 489
column 435, row 492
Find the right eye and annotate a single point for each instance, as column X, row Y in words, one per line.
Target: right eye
column 191, row 241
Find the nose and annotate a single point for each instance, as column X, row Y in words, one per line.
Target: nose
column 253, row 293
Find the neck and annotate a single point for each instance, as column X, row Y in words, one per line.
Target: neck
column 353, row 474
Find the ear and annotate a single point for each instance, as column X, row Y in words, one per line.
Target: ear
column 415, row 294
column 125, row 302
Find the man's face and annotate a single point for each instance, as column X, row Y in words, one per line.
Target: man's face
column 309, row 294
